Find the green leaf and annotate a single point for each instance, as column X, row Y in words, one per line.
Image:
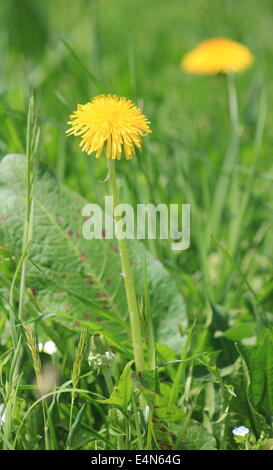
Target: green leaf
column 165, row 353
column 242, row 409
column 194, row 437
column 171, row 425
column 240, row 331
column 117, row 422
column 261, row 371
column 78, row 277
column 121, row 394
column 160, row 405
column 75, row 426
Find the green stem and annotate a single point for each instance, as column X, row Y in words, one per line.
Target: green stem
column 108, row 379
column 230, row 158
column 28, row 203
column 140, row 445
column 128, row 279
column 233, row 103
column 246, row 195
column 47, row 442
column 71, row 414
column 179, row 374
column 27, row 233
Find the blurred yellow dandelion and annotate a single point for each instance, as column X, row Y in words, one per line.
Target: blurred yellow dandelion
column 218, row 55
column 110, row 122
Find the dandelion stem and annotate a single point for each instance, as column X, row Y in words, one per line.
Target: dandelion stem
column 233, row 103
column 128, row 278
column 231, row 155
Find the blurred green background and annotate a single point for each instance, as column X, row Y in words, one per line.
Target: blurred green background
column 134, row 48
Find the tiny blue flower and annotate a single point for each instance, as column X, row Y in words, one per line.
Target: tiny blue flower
column 240, row 431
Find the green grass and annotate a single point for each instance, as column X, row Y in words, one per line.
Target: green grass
column 206, row 312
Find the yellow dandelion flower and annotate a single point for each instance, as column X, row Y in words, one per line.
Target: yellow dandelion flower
column 218, row 55
column 110, row 122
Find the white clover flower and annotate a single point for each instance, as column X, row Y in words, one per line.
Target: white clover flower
column 48, row 347
column 98, row 360
column 240, row 431
column 2, row 414
column 109, row 355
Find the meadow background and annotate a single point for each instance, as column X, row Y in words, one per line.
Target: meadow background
column 214, row 299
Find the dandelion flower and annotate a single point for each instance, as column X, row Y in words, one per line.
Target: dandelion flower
column 218, row 55
column 109, row 122
column 240, row 431
column 48, row 347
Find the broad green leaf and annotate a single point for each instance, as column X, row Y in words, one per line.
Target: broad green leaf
column 117, row 422
column 121, row 394
column 242, row 409
column 160, row 404
column 172, row 427
column 78, row 277
column 261, row 371
column 194, row 437
column 147, row 379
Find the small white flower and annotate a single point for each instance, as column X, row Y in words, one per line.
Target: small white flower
column 109, row 355
column 98, row 360
column 2, row 414
column 240, row 431
column 48, row 347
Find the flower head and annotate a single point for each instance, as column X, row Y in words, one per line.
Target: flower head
column 240, row 431
column 218, row 55
column 110, row 122
column 98, row 360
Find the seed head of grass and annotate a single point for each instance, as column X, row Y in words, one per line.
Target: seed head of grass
column 33, row 346
column 77, row 365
